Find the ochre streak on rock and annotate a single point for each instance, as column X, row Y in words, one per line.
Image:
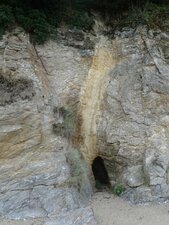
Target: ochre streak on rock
column 92, row 94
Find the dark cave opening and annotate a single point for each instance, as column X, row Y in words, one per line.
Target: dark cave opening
column 100, row 173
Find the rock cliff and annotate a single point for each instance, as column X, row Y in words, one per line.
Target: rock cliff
column 71, row 100
column 133, row 130
column 41, row 174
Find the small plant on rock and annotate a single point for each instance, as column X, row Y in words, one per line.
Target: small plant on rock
column 118, row 189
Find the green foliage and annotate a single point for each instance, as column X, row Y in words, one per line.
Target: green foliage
column 77, row 166
column 35, row 23
column 81, row 20
column 151, row 15
column 6, row 15
column 6, row 18
column 69, row 122
column 41, row 17
column 66, row 126
column 118, row 189
column 78, row 170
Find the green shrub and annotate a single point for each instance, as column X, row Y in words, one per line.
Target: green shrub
column 118, row 189
column 6, row 18
column 41, row 17
column 34, row 22
column 78, row 171
column 81, row 20
column 6, row 15
column 151, row 15
column 66, row 127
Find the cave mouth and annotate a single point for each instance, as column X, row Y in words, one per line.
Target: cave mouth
column 100, row 173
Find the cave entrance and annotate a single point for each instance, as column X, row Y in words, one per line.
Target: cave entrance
column 100, row 173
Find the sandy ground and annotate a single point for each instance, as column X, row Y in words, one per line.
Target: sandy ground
column 111, row 210
column 22, row 222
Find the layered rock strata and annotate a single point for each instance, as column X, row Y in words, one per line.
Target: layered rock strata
column 69, row 101
column 41, row 175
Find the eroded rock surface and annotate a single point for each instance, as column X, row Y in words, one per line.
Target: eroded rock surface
column 37, row 177
column 65, row 103
column 135, row 114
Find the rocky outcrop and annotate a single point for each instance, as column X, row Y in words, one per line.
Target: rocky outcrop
column 41, row 174
column 133, row 131
column 64, row 104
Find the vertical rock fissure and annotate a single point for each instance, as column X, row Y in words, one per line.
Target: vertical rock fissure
column 92, row 94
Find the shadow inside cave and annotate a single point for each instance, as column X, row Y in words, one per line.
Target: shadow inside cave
column 100, row 173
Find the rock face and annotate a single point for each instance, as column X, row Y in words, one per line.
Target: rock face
column 133, row 134
column 41, row 174
column 67, row 102
column 124, row 112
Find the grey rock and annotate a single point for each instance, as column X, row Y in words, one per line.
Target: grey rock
column 139, row 195
column 135, row 176
column 135, row 111
column 35, row 177
column 119, row 97
column 155, row 167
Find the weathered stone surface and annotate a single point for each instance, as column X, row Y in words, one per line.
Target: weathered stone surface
column 133, row 129
column 112, row 102
column 11, row 91
column 143, row 194
column 77, row 38
column 155, row 167
column 33, row 190
column 36, row 178
column 139, row 195
column 135, row 176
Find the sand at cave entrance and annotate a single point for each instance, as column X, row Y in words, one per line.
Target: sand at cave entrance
column 111, row 210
